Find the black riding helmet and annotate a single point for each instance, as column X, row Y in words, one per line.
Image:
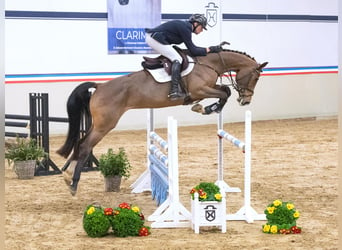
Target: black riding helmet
column 200, row 19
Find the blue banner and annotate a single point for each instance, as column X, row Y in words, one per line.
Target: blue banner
column 127, row 20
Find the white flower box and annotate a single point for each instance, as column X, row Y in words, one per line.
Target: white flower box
column 208, row 213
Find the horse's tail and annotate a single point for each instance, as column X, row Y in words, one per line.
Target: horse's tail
column 77, row 105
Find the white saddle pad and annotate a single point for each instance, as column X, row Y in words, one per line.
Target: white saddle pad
column 160, row 75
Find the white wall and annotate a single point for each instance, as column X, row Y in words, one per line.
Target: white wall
column 80, row 46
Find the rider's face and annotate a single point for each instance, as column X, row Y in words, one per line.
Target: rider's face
column 198, row 29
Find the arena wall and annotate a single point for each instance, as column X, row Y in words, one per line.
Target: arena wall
column 50, row 53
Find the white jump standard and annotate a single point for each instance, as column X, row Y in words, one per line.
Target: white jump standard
column 161, row 178
column 246, row 213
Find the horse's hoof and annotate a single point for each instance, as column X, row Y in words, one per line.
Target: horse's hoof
column 73, row 190
column 198, row 108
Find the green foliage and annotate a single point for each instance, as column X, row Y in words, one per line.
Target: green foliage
column 95, row 222
column 207, row 191
column 126, row 222
column 23, row 150
column 111, row 163
column 281, row 217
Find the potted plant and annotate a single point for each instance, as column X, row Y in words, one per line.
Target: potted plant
column 122, row 221
column 208, row 206
column 113, row 167
column 24, row 154
column 281, row 218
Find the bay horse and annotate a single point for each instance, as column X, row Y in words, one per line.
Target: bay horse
column 108, row 101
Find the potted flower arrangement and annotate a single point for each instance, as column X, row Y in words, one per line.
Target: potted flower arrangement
column 124, row 220
column 281, row 218
column 208, row 206
column 207, row 191
column 24, row 153
column 113, row 167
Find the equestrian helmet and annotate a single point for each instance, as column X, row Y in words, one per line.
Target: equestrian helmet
column 199, row 18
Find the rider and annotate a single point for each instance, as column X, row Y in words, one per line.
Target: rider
column 162, row 37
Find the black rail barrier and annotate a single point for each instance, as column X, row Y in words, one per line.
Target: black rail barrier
column 38, row 123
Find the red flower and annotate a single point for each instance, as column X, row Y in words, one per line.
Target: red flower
column 296, row 230
column 142, row 217
column 192, row 191
column 124, row 205
column 144, row 231
column 108, row 211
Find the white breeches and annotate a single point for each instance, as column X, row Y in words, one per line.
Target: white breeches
column 165, row 50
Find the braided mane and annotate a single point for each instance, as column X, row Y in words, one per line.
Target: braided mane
column 239, row 52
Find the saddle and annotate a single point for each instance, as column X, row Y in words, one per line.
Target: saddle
column 163, row 62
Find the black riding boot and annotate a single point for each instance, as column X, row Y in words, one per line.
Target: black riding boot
column 176, row 80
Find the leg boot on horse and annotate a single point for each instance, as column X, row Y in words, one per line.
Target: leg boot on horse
column 176, row 79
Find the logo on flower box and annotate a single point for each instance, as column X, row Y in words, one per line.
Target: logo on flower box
column 210, row 213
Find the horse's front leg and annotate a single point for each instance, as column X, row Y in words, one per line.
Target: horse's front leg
column 217, row 106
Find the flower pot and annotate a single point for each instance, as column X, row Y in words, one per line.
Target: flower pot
column 208, row 213
column 112, row 183
column 25, row 169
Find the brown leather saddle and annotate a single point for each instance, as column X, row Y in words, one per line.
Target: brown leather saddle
column 163, row 62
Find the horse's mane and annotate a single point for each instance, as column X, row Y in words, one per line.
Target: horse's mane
column 239, row 52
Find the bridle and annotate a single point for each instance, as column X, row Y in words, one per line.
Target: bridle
column 244, row 88
column 240, row 89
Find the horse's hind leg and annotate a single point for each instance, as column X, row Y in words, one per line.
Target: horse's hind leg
column 76, row 163
column 68, row 170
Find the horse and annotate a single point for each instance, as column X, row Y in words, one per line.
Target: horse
column 106, row 102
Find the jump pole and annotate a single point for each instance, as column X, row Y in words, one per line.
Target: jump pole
column 246, row 212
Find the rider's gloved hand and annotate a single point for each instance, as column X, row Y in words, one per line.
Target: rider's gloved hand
column 215, row 49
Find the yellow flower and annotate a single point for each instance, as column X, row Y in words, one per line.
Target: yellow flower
column 90, row 210
column 274, row 229
column 266, row 228
column 296, row 214
column 277, row 203
column 270, row 210
column 218, row 196
column 136, row 209
column 203, row 196
column 289, row 206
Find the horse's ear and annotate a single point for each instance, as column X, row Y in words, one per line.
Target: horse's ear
column 261, row 66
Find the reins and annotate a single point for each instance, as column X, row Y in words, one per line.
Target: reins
column 206, row 65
